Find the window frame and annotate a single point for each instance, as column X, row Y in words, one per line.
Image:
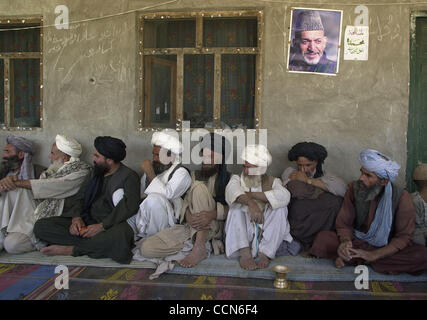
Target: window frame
column 143, row 109
column 8, row 81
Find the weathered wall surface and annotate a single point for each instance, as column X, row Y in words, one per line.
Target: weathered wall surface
column 90, row 81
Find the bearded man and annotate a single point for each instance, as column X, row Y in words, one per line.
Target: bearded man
column 95, row 223
column 376, row 222
column 203, row 212
column 28, row 200
column 257, row 221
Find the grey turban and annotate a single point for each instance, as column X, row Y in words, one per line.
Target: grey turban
column 27, row 169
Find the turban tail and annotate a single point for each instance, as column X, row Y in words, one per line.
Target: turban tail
column 311, row 151
column 379, row 230
column 219, row 144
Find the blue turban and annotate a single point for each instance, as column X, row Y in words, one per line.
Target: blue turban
column 384, row 168
column 27, row 169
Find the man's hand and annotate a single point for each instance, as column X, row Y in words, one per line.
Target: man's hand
column 76, row 224
column 255, row 213
column 92, row 230
column 344, row 250
column 298, row 175
column 147, row 166
column 368, row 256
column 201, row 220
column 8, row 183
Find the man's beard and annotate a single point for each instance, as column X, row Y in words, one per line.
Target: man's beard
column 368, row 194
column 10, row 164
column 100, row 169
column 208, row 171
column 54, row 167
column 252, row 181
column 159, row 167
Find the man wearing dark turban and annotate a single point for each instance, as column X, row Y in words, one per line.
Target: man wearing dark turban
column 316, row 195
column 204, row 210
column 94, row 224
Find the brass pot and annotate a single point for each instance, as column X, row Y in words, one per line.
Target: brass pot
column 281, row 272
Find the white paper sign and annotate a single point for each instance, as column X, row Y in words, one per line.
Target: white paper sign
column 356, row 43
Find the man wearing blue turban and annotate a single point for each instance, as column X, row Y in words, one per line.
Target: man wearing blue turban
column 376, row 222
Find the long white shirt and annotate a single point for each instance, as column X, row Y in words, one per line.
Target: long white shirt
column 162, row 207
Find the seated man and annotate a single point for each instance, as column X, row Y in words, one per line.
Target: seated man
column 163, row 184
column 420, row 203
column 29, row 200
column 316, row 196
column 375, row 224
column 95, row 223
column 257, row 219
column 17, row 161
column 203, row 212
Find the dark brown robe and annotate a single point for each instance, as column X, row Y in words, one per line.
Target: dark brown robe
column 410, row 258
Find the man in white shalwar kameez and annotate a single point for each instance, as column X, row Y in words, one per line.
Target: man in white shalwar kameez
column 257, row 219
column 163, row 184
column 27, row 200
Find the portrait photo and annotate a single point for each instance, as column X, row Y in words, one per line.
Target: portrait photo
column 314, row 41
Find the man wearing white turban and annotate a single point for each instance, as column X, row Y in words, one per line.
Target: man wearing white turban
column 163, row 184
column 376, row 222
column 28, row 200
column 258, row 207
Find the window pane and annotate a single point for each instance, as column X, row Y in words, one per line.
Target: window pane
column 198, row 90
column 238, row 90
column 1, row 91
column 169, row 34
column 160, row 90
column 230, row 32
column 19, row 40
column 25, row 103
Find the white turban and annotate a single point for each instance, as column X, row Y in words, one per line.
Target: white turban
column 68, row 145
column 257, row 154
column 167, row 141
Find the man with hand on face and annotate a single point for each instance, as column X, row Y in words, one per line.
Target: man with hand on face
column 95, row 225
column 376, row 222
column 257, row 218
column 309, row 45
column 316, row 195
column 163, row 184
column 31, row 199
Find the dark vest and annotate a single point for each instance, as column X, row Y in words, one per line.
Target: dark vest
column 362, row 207
column 117, row 181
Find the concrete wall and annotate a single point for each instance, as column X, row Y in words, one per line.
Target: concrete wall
column 90, row 81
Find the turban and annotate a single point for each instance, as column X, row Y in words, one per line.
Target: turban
column 22, row 144
column 27, row 169
column 374, row 161
column 311, row 151
column 111, row 148
column 384, row 168
column 68, row 145
column 216, row 143
column 257, row 154
column 420, row 172
column 309, row 20
column 166, row 141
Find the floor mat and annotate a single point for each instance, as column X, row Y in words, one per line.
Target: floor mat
column 301, row 268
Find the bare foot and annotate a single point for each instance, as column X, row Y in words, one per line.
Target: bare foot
column 57, row 250
column 339, row 263
column 246, row 261
column 263, row 261
column 196, row 255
